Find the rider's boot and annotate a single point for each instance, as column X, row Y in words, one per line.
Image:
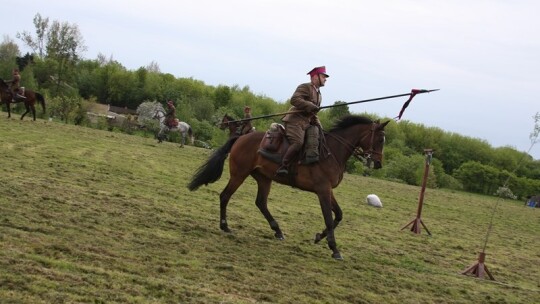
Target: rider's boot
column 17, row 96
column 287, row 158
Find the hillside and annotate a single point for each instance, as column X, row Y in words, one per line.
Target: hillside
column 102, row 217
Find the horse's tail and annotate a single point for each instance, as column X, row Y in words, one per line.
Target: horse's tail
column 191, row 137
column 211, row 171
column 41, row 100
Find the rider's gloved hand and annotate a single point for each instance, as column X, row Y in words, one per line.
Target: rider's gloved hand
column 312, row 108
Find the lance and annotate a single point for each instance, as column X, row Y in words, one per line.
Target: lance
column 411, row 95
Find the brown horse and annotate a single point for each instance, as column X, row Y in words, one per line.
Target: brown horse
column 342, row 141
column 6, row 96
column 236, row 128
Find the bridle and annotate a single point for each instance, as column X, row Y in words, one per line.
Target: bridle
column 357, row 151
column 159, row 114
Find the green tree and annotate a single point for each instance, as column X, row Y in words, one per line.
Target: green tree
column 65, row 108
column 222, row 96
column 9, row 51
column 60, row 42
column 477, row 177
column 38, row 44
column 339, row 110
column 86, row 80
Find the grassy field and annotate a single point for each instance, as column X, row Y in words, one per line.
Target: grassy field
column 89, row 216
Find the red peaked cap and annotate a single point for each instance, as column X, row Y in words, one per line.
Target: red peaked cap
column 318, row 70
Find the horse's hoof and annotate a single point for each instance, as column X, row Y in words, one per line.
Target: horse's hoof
column 225, row 228
column 337, row 256
column 279, row 236
column 318, row 238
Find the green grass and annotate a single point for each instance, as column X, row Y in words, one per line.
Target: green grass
column 89, row 216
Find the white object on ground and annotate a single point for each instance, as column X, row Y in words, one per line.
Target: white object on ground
column 374, row 200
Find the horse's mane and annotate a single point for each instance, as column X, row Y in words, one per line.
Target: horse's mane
column 350, row 120
column 229, row 117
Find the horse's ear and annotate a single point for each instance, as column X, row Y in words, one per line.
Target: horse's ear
column 384, row 124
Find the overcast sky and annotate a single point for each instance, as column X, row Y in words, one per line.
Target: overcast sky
column 482, row 55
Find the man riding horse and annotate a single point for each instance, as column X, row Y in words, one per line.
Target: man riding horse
column 305, row 101
column 245, row 126
column 14, row 85
column 170, row 116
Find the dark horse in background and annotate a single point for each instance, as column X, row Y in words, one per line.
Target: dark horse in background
column 236, row 128
column 345, row 139
column 6, row 96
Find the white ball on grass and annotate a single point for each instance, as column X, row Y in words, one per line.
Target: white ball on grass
column 374, row 200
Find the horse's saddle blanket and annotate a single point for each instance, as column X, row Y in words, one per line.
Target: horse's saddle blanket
column 274, row 143
column 173, row 123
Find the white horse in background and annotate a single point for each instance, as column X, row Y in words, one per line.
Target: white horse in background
column 182, row 127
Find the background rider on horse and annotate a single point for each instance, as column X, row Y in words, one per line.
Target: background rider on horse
column 170, row 116
column 15, row 86
column 245, row 127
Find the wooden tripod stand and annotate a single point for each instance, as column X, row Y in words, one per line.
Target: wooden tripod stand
column 479, row 269
column 415, row 224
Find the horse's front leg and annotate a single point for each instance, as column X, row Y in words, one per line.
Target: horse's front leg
column 160, row 134
column 183, row 140
column 338, row 216
column 325, row 199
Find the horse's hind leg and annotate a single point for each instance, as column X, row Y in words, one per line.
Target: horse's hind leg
column 8, row 106
column 264, row 184
column 338, row 216
column 33, row 109
column 26, row 112
column 224, row 198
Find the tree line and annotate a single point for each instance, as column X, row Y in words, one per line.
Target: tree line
column 72, row 84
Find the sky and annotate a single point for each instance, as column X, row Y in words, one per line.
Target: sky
column 482, row 55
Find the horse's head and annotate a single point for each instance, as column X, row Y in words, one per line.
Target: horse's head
column 373, row 143
column 225, row 122
column 158, row 114
column 361, row 137
column 5, row 92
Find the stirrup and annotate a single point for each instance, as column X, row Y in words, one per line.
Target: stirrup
column 282, row 171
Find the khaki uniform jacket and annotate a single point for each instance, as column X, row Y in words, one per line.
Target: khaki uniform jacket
column 170, row 117
column 246, row 126
column 15, row 82
column 303, row 99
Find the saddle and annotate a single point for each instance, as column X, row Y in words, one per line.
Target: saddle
column 274, row 145
column 173, row 123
